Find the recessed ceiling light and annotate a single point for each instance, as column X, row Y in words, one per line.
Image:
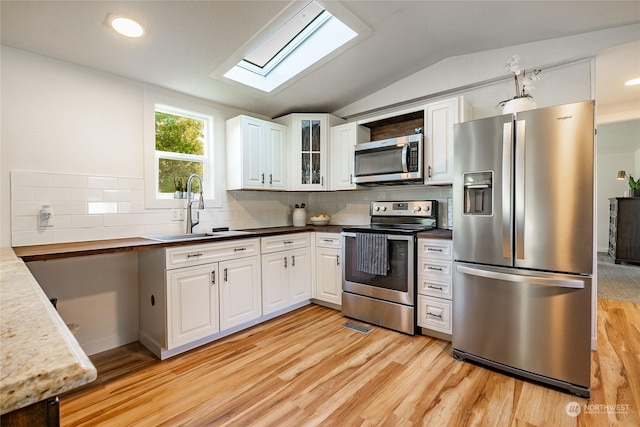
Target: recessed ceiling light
column 126, row 26
column 633, row 82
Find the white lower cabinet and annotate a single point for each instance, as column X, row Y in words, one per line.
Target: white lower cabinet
column 192, row 304
column 328, row 286
column 435, row 264
column 286, row 273
column 239, row 292
column 187, row 294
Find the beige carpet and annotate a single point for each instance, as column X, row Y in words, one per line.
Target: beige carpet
column 618, row 281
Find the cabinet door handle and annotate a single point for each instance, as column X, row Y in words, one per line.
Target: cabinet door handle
column 350, row 178
column 239, row 249
column 322, row 181
column 213, row 277
column 270, row 178
column 193, row 255
column 439, row 316
column 285, row 262
column 225, row 275
column 337, row 259
column 262, row 179
column 293, row 260
column 429, row 168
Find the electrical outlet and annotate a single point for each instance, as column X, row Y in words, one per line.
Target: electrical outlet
column 177, row 214
column 45, row 216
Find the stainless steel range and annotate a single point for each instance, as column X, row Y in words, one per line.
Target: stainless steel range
column 379, row 264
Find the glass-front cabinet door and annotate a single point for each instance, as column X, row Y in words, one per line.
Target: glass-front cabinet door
column 309, row 150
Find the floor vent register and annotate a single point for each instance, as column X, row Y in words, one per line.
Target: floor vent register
column 358, row 328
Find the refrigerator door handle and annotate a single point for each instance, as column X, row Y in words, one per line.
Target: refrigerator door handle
column 507, row 136
column 520, row 188
column 535, row 280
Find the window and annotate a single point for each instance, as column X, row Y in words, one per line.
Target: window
column 181, row 149
column 179, row 141
column 295, row 45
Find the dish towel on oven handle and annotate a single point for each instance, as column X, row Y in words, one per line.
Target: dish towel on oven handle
column 372, row 254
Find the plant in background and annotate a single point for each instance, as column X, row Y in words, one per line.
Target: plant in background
column 523, row 81
column 634, row 184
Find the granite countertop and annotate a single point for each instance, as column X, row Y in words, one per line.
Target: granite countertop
column 39, row 356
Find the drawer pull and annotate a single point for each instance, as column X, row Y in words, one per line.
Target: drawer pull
column 327, row 240
column 434, row 268
column 239, row 249
column 287, row 242
column 439, row 316
column 434, row 250
column 435, row 287
column 193, row 255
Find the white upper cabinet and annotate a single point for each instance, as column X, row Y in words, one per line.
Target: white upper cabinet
column 308, row 143
column 256, row 154
column 439, row 120
column 343, row 138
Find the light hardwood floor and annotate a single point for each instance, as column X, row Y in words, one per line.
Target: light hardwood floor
column 304, row 369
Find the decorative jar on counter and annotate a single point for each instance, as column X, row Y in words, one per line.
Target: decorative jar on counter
column 299, row 217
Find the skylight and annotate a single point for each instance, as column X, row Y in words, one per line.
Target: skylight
column 309, row 36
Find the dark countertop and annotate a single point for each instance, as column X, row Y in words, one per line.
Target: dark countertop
column 438, row 233
column 96, row 247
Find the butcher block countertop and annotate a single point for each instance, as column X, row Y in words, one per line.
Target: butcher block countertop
column 96, row 247
column 438, row 233
column 39, row 356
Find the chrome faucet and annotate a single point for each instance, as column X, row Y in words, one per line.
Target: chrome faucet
column 190, row 222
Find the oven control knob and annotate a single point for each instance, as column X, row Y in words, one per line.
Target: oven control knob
column 377, row 208
column 417, row 209
column 384, row 208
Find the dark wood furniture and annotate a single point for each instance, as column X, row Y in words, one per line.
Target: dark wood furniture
column 624, row 229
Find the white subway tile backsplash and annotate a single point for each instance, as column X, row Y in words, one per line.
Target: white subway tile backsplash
column 52, row 194
column 69, row 208
column 102, row 207
column 117, row 195
column 87, row 195
column 86, row 221
column 102, row 182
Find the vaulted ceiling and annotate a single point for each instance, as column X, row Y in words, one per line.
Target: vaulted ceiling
column 187, row 41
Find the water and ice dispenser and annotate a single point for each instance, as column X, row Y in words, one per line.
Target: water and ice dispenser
column 478, row 193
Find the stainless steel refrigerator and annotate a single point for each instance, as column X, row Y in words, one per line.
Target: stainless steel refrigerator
column 523, row 243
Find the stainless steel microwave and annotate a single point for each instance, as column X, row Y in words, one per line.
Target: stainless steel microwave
column 389, row 161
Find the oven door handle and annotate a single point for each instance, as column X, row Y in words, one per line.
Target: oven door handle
column 389, row 236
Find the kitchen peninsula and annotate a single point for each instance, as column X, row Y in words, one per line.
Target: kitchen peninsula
column 39, row 356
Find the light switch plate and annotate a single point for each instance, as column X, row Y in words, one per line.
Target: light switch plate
column 177, row 214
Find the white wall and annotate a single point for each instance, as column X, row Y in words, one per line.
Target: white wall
column 618, row 149
column 468, row 70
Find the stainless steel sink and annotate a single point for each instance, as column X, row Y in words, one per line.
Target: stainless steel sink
column 198, row 236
